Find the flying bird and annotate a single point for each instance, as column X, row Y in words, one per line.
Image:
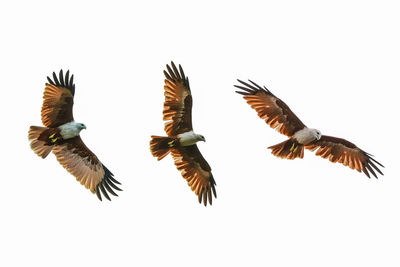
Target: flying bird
column 181, row 140
column 279, row 116
column 61, row 135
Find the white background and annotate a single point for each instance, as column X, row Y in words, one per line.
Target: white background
column 336, row 64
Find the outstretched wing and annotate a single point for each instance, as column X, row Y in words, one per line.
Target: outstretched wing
column 58, row 100
column 342, row 151
column 178, row 102
column 82, row 163
column 196, row 171
column 270, row 108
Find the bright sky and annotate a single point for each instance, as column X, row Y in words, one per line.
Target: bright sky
column 336, row 64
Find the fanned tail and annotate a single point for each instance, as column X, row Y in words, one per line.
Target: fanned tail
column 160, row 146
column 289, row 149
column 38, row 146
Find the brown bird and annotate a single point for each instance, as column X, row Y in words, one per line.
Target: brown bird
column 61, row 135
column 181, row 140
column 279, row 116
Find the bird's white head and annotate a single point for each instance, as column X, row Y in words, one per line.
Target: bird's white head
column 80, row 126
column 201, row 138
column 316, row 133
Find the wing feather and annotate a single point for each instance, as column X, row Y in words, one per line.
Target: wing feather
column 58, row 100
column 195, row 169
column 178, row 102
column 270, row 108
column 82, row 163
column 345, row 152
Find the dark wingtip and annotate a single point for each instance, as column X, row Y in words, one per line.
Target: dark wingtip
column 50, row 81
column 63, row 81
column 174, row 73
column 98, row 194
column 377, row 162
column 55, row 79
column 205, row 195
column 252, row 88
column 241, row 93
column 370, row 165
column 107, row 185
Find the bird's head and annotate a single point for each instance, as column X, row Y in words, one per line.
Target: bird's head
column 316, row 133
column 201, row 138
column 81, row 126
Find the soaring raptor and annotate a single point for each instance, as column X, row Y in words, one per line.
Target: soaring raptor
column 61, row 135
column 279, row 116
column 181, row 140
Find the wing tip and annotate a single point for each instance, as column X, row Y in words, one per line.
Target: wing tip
column 251, row 89
column 370, row 166
column 206, row 194
column 63, row 81
column 176, row 74
column 107, row 185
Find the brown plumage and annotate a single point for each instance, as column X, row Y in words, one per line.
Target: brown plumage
column 178, row 116
column 178, row 102
column 196, row 171
column 70, row 151
column 159, row 146
column 58, row 100
column 39, row 146
column 270, row 108
column 279, row 116
column 342, row 151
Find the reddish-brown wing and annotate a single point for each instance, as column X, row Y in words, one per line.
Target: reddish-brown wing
column 196, row 171
column 58, row 100
column 342, row 151
column 178, row 102
column 82, row 163
column 270, row 108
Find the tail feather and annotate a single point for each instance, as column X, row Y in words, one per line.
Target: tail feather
column 38, row 146
column 160, row 146
column 289, row 149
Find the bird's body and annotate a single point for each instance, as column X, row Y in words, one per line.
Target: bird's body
column 61, row 134
column 189, row 138
column 181, row 140
column 71, row 129
column 279, row 116
column 307, row 135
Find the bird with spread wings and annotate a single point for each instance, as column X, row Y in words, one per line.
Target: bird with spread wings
column 61, row 135
column 181, row 140
column 279, row 116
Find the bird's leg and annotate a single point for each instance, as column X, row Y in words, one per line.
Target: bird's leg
column 171, row 143
column 293, row 148
column 52, row 139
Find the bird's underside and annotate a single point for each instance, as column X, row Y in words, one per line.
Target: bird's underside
column 279, row 116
